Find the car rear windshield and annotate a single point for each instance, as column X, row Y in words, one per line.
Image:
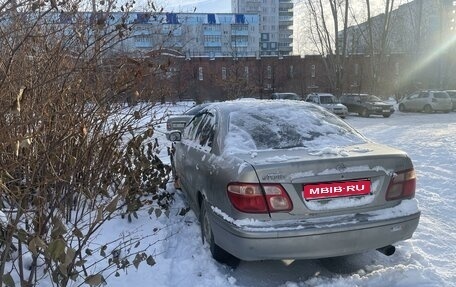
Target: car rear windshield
column 441, row 95
column 265, row 127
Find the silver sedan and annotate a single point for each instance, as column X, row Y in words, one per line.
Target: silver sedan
column 290, row 180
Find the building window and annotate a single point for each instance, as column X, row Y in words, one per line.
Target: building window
column 269, row 72
column 200, row 73
column 223, row 73
column 356, row 69
column 313, row 71
column 291, row 72
column 246, row 73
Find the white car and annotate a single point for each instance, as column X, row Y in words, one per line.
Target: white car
column 329, row 102
column 426, row 101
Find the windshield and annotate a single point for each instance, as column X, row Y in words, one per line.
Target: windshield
column 371, row 99
column 327, row 100
column 287, row 126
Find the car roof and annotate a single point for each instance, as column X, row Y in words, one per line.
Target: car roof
column 321, row 94
column 235, row 105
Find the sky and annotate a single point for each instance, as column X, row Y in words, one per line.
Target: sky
column 202, row 6
column 221, row 6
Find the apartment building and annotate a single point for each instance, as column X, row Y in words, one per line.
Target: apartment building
column 195, row 34
column 276, row 23
column 419, row 26
column 188, row 34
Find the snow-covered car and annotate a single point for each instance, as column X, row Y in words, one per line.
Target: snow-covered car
column 291, row 180
column 328, row 101
column 426, row 101
column 366, row 105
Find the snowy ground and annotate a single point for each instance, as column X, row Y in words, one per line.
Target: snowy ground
column 428, row 259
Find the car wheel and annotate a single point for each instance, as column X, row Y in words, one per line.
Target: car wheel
column 402, row 108
column 207, row 236
column 428, row 109
column 365, row 113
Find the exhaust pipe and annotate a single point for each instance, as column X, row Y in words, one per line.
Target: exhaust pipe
column 387, row 250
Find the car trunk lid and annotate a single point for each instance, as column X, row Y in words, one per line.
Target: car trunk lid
column 335, row 181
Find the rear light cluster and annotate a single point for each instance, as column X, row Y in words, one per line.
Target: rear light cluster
column 402, row 185
column 256, row 198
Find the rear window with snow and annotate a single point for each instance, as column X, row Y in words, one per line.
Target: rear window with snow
column 287, row 126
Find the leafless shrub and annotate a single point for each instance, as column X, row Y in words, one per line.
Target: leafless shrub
column 73, row 154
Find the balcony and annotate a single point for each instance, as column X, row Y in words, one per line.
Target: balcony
column 212, row 44
column 239, row 32
column 239, row 44
column 212, row 33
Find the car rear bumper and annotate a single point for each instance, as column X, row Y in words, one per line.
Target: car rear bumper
column 307, row 242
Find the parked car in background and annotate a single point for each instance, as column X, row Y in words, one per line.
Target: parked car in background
column 426, row 101
column 286, row 96
column 329, row 102
column 290, row 180
column 178, row 122
column 366, row 105
column 452, row 94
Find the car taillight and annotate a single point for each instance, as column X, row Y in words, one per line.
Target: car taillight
column 402, row 185
column 249, row 198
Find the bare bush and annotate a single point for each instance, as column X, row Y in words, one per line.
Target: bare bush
column 73, row 154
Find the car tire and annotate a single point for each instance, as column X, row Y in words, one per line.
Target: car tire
column 428, row 109
column 364, row 113
column 207, row 236
column 402, row 108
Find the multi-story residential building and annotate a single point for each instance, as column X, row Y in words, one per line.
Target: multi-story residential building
column 276, row 23
column 190, row 34
column 425, row 30
column 418, row 26
column 196, row 34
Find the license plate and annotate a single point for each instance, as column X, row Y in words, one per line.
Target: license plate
column 178, row 125
column 336, row 189
column 386, row 111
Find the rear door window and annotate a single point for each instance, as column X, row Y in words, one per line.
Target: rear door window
column 441, row 95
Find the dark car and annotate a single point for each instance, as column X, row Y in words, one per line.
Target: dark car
column 366, row 105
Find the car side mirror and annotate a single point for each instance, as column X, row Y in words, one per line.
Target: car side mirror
column 174, row 136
